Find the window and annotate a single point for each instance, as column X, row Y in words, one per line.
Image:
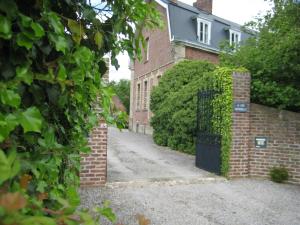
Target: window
column 145, row 94
column 203, row 31
column 146, row 50
column 138, row 96
column 234, row 37
column 158, row 78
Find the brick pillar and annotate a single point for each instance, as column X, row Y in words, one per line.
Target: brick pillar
column 94, row 165
column 239, row 158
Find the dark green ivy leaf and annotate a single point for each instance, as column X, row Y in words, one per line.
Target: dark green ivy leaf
column 5, row 28
column 60, row 42
column 38, row 29
column 24, row 74
column 24, row 41
column 31, row 120
column 9, row 97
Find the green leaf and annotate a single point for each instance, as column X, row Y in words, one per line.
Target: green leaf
column 38, row 29
column 15, row 165
column 73, row 196
column 5, row 28
column 76, row 30
column 55, row 23
column 7, row 124
column 60, row 42
column 24, row 74
column 31, row 120
column 4, row 167
column 41, row 186
column 38, row 220
column 62, row 73
column 98, row 39
column 9, row 97
column 25, row 20
column 9, row 166
column 24, row 41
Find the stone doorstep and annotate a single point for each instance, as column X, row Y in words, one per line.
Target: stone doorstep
column 168, row 181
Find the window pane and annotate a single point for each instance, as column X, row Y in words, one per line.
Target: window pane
column 232, row 38
column 206, row 34
column 201, row 32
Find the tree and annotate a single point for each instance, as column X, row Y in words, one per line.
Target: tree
column 122, row 90
column 273, row 57
column 51, row 62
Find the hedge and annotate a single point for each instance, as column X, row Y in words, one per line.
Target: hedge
column 174, row 106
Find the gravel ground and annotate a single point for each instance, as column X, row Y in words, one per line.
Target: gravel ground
column 244, row 201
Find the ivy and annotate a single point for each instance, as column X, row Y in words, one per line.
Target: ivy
column 51, row 64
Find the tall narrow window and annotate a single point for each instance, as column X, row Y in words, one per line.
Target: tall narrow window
column 138, row 96
column 203, row 31
column 146, row 50
column 234, row 37
column 145, row 94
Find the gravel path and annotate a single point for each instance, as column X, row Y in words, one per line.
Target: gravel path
column 133, row 156
column 245, row 202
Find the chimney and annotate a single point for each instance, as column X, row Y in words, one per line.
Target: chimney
column 205, row 5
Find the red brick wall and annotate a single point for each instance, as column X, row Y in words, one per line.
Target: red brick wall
column 160, row 48
column 193, row 53
column 239, row 160
column 94, row 165
column 282, row 129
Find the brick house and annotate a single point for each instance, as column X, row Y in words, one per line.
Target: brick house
column 191, row 32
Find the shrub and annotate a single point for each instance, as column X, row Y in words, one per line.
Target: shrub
column 174, row 106
column 173, row 103
column 279, row 174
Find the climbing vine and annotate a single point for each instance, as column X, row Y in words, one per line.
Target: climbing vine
column 51, row 63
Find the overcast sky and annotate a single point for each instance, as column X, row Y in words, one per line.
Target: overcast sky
column 239, row 11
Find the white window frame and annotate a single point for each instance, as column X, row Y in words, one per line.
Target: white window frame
column 236, row 36
column 202, row 36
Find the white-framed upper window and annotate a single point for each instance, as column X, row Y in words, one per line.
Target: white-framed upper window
column 203, row 31
column 234, row 37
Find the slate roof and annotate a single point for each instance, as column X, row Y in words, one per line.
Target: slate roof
column 183, row 26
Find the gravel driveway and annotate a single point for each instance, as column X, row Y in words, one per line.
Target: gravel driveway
column 133, row 156
column 167, row 189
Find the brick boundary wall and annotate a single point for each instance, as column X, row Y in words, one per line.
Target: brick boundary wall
column 282, row 130
column 280, row 127
column 239, row 160
column 93, row 171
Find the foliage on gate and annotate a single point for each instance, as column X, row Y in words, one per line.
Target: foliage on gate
column 174, row 106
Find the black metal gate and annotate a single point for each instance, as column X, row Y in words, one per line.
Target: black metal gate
column 208, row 146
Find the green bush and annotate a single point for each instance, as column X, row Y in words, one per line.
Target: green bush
column 279, row 174
column 174, row 106
column 173, row 103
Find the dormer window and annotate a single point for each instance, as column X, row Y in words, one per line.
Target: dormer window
column 203, row 31
column 234, row 37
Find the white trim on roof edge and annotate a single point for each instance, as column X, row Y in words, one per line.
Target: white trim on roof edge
column 165, row 5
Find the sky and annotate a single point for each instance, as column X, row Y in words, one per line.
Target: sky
column 239, row 11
